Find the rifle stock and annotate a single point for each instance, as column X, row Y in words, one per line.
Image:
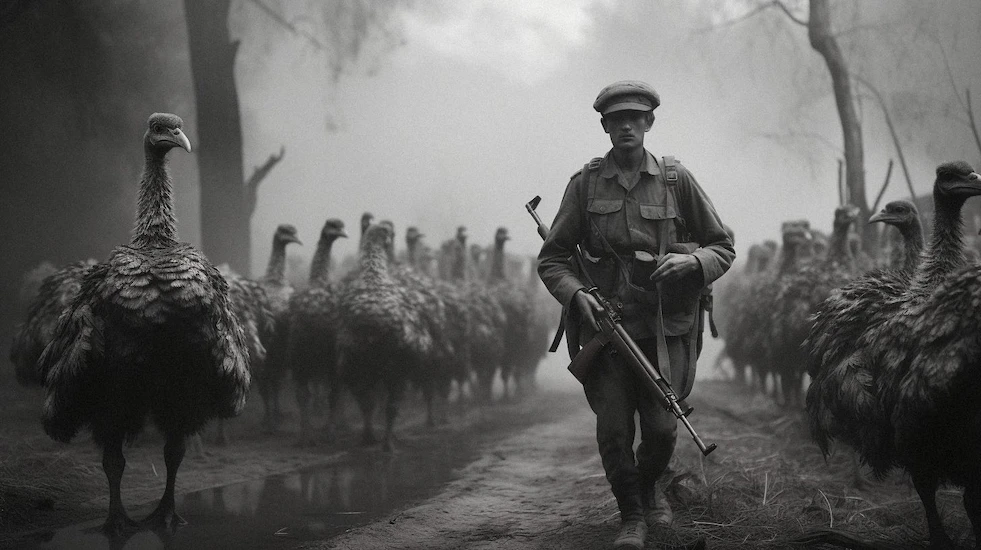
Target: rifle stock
column 611, row 331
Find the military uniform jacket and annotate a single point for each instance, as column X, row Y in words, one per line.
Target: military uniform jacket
column 628, row 217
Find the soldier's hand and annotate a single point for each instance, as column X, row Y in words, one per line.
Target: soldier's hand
column 588, row 307
column 672, row 267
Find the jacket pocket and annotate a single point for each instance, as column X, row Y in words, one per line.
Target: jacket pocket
column 605, row 206
column 657, row 211
column 605, row 216
column 653, row 214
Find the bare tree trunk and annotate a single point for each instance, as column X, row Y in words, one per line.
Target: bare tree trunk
column 824, row 42
column 225, row 215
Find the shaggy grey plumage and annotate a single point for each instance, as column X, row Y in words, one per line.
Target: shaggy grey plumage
column 150, row 335
column 883, row 397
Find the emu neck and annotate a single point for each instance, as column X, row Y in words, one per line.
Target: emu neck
column 946, row 251
column 412, row 253
column 458, row 268
column 320, row 265
column 156, row 224
column 912, row 245
column 374, row 260
column 789, row 257
column 497, row 262
column 838, row 249
column 276, row 270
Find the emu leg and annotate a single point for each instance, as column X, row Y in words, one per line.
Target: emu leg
column 790, row 385
column 429, row 396
column 303, row 403
column 334, row 411
column 221, row 438
column 275, row 404
column 972, row 504
column 926, row 486
column 113, row 462
column 485, row 383
column 270, row 406
column 859, row 480
column 165, row 516
column 443, row 400
column 366, row 402
column 396, row 390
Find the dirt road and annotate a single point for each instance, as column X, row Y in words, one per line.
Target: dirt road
column 533, row 482
column 764, row 487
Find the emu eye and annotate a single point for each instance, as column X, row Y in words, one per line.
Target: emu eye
column 157, row 128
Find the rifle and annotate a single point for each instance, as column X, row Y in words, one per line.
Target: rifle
column 611, row 331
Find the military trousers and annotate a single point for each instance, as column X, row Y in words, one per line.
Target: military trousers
column 616, row 394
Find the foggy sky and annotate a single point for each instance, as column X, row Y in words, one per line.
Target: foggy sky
column 489, row 103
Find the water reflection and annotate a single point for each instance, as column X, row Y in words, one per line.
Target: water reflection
column 282, row 510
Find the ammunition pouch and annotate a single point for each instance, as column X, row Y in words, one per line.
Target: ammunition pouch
column 632, row 290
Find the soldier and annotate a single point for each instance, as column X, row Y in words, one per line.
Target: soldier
column 642, row 223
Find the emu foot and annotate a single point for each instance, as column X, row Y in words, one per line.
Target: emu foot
column 330, row 434
column 119, row 524
column 306, row 440
column 270, row 424
column 221, row 439
column 940, row 541
column 164, row 518
column 388, row 444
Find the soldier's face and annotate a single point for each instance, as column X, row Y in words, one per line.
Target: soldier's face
column 627, row 128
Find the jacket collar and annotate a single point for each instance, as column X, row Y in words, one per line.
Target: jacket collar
column 608, row 168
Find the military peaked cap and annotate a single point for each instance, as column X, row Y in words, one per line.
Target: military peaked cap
column 627, row 95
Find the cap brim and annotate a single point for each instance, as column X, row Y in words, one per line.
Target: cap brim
column 627, row 106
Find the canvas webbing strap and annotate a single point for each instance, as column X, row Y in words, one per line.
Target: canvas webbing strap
column 663, row 357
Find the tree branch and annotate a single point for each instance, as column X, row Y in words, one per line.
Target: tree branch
column 950, row 72
column 783, row 7
column 843, row 197
column 882, row 190
column 892, row 130
column 783, row 138
column 966, row 105
column 259, row 174
column 289, row 26
column 753, row 13
column 970, row 116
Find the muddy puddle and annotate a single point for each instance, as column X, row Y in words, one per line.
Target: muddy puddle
column 284, row 510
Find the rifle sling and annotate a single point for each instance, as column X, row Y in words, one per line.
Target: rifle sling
column 559, row 331
column 663, row 358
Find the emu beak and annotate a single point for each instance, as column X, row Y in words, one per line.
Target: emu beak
column 182, row 140
column 879, row 217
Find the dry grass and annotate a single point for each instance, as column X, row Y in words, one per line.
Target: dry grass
column 768, row 486
column 35, row 477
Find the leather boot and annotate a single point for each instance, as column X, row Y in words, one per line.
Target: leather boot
column 657, row 510
column 631, row 535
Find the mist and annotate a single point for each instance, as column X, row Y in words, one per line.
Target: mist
column 475, row 107
column 488, row 104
